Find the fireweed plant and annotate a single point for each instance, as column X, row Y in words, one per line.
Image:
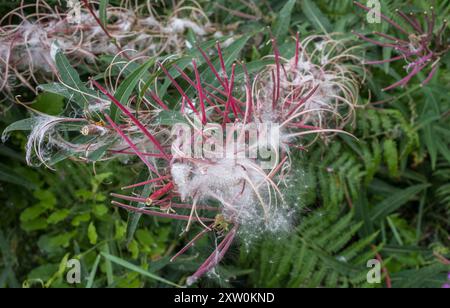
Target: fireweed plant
column 288, row 105
column 421, row 43
column 27, row 47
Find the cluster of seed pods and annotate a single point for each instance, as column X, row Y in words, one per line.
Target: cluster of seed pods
column 307, row 97
column 422, row 46
column 225, row 193
column 28, row 42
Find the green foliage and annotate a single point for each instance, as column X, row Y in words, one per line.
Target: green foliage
column 384, row 194
column 323, row 251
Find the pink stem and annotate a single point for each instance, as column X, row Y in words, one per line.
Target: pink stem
column 380, row 43
column 213, row 69
column 189, row 206
column 158, row 100
column 131, row 144
column 394, row 24
column 192, row 83
column 129, row 198
column 416, row 26
column 200, row 92
column 147, row 182
column 180, row 90
column 385, row 61
column 159, row 214
column 249, row 96
column 298, row 125
column 405, row 80
column 131, row 153
column 308, row 96
column 230, row 101
column 215, row 257
column 389, row 37
column 161, row 192
column 430, row 76
column 278, row 65
column 132, row 118
column 191, row 242
column 222, row 64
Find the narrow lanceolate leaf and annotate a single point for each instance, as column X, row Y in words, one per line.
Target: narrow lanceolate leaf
column 138, row 269
column 283, row 21
column 394, row 202
column 70, row 78
column 170, row 117
column 127, row 87
column 315, row 16
column 132, row 118
column 103, row 12
column 93, row 273
column 56, row 88
column 134, row 217
column 8, row 175
column 22, row 125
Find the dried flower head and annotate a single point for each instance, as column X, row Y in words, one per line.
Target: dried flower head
column 223, row 188
column 27, row 49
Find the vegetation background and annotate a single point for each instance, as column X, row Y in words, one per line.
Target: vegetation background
column 385, row 196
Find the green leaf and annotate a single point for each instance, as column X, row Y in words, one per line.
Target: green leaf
column 77, row 220
column 108, row 265
column 71, row 79
column 126, row 87
column 49, row 103
column 443, row 149
column 92, row 234
column 58, row 216
column 316, row 17
column 98, row 153
column 100, row 210
column 430, row 142
column 170, row 117
column 9, row 176
column 32, row 212
column 391, row 156
column 56, row 88
column 395, row 201
column 137, row 269
column 61, row 240
column 103, row 11
column 34, row 225
column 91, row 278
column 22, row 125
column 283, row 21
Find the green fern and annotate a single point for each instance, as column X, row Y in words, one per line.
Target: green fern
column 323, row 252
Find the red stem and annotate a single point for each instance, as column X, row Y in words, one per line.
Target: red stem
column 180, row 90
column 213, row 69
column 158, row 100
column 159, row 214
column 131, row 144
column 132, row 118
column 191, row 243
column 222, row 64
column 230, row 101
column 278, row 65
column 162, row 178
column 200, row 92
column 215, row 257
column 99, row 22
column 394, row 24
